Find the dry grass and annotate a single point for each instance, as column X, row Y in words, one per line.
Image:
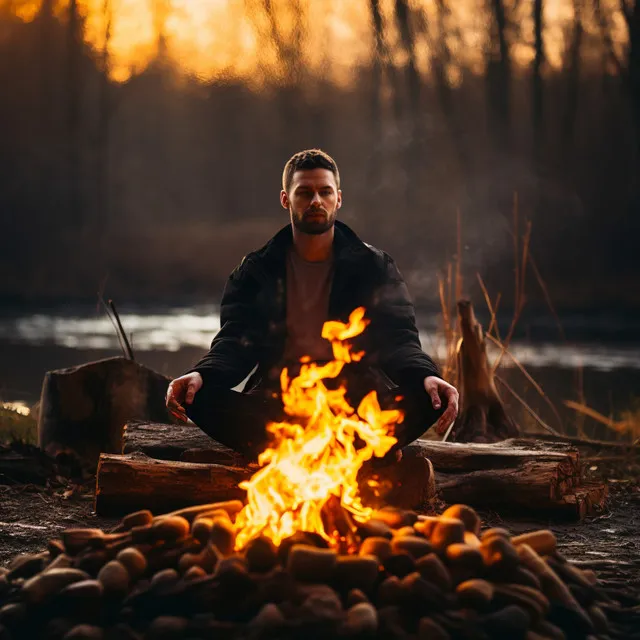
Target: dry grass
column 450, row 289
column 17, row 427
column 626, row 427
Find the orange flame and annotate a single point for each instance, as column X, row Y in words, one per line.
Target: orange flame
column 318, row 453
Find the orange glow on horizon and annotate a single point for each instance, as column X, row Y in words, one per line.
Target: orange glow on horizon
column 214, row 39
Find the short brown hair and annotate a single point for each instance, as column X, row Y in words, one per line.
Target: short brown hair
column 308, row 159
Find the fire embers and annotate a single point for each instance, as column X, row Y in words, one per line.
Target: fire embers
column 179, row 576
column 316, row 454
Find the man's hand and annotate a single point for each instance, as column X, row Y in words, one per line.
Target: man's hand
column 181, row 391
column 440, row 390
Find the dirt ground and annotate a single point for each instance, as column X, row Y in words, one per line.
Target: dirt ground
column 609, row 542
column 31, row 515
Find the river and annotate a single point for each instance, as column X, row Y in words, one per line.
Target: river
column 601, row 361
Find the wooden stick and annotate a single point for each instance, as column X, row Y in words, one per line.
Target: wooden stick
column 538, row 419
column 127, row 345
column 113, row 322
column 530, row 378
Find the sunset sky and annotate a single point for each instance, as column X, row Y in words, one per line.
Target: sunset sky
column 213, row 39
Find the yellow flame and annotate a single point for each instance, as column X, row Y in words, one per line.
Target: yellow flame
column 318, row 453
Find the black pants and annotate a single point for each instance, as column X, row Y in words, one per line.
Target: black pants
column 238, row 420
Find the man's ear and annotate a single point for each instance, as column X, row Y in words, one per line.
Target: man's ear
column 339, row 204
column 284, row 199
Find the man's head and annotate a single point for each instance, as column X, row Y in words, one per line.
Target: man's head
column 311, row 191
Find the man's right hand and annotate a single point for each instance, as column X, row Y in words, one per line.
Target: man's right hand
column 181, row 391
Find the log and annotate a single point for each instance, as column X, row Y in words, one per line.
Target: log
column 532, row 484
column 458, row 456
column 131, row 482
column 583, row 501
column 83, row 409
column 188, row 443
column 176, row 442
column 513, row 474
column 134, row 481
column 407, row 484
column 482, row 417
column 171, row 441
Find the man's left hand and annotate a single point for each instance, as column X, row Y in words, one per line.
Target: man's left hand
column 440, row 390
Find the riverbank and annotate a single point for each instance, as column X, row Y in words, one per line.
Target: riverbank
column 23, row 366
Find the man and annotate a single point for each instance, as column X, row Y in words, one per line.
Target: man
column 272, row 311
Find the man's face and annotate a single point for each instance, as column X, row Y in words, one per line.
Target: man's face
column 312, row 201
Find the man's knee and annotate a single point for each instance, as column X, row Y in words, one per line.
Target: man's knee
column 419, row 414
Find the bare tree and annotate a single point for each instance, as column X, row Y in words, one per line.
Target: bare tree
column 605, row 31
column 414, row 156
column 383, row 65
column 631, row 12
column 161, row 9
column 402, row 13
column 74, row 59
column 572, row 68
column 290, row 47
column 538, row 87
column 498, row 75
column 103, row 173
column 379, row 62
column 440, row 59
column 46, row 24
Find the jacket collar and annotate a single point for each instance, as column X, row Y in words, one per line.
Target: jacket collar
column 345, row 242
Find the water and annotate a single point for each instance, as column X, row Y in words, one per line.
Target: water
column 182, row 327
column 601, row 366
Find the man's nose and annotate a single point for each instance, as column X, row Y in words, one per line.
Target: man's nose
column 316, row 198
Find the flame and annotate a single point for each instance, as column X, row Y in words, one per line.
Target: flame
column 316, row 455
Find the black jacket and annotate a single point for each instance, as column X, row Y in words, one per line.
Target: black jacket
column 253, row 314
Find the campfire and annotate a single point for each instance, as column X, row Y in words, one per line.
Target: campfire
column 311, row 468
column 303, row 556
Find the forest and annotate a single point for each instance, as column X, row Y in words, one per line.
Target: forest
column 143, row 141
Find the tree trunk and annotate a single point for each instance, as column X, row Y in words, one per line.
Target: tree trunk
column 483, row 417
column 74, row 60
column 498, row 79
column 84, row 409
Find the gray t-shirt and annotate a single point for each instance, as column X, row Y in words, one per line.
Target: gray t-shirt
column 308, row 289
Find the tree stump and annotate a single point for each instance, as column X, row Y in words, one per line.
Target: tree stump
column 83, row 409
column 482, row 417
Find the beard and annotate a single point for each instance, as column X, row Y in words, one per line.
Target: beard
column 313, row 221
